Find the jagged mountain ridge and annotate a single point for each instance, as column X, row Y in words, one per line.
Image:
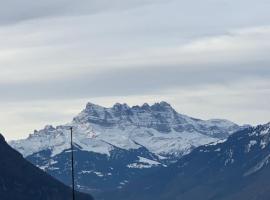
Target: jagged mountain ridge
column 116, row 145
column 129, row 128
column 20, row 180
column 160, row 116
column 238, row 168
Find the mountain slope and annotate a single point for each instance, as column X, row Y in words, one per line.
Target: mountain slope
column 116, row 145
column 234, row 170
column 20, row 180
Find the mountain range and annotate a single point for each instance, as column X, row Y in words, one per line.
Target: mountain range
column 237, row 169
column 114, row 146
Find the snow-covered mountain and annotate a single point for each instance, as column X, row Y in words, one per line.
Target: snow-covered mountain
column 236, row 169
column 114, row 145
column 159, row 128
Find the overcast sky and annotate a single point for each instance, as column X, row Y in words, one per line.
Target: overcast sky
column 209, row 59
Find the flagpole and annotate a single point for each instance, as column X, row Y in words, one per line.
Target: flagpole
column 72, row 163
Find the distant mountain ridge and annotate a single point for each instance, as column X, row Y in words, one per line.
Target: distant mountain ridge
column 115, row 145
column 237, row 169
column 160, row 116
column 20, row 180
column 123, row 127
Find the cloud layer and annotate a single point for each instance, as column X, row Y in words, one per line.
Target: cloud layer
column 197, row 55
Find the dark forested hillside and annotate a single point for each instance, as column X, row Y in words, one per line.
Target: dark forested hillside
column 20, row 180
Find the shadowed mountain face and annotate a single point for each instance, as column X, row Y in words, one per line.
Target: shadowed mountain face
column 238, row 169
column 20, row 180
column 116, row 145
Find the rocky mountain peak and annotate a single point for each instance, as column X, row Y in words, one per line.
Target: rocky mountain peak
column 145, row 106
column 159, row 116
column 123, row 113
column 92, row 107
column 119, row 106
column 49, row 128
column 162, row 106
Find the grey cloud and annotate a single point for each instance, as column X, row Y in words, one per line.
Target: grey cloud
column 133, row 81
column 17, row 11
column 65, row 50
column 206, row 14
